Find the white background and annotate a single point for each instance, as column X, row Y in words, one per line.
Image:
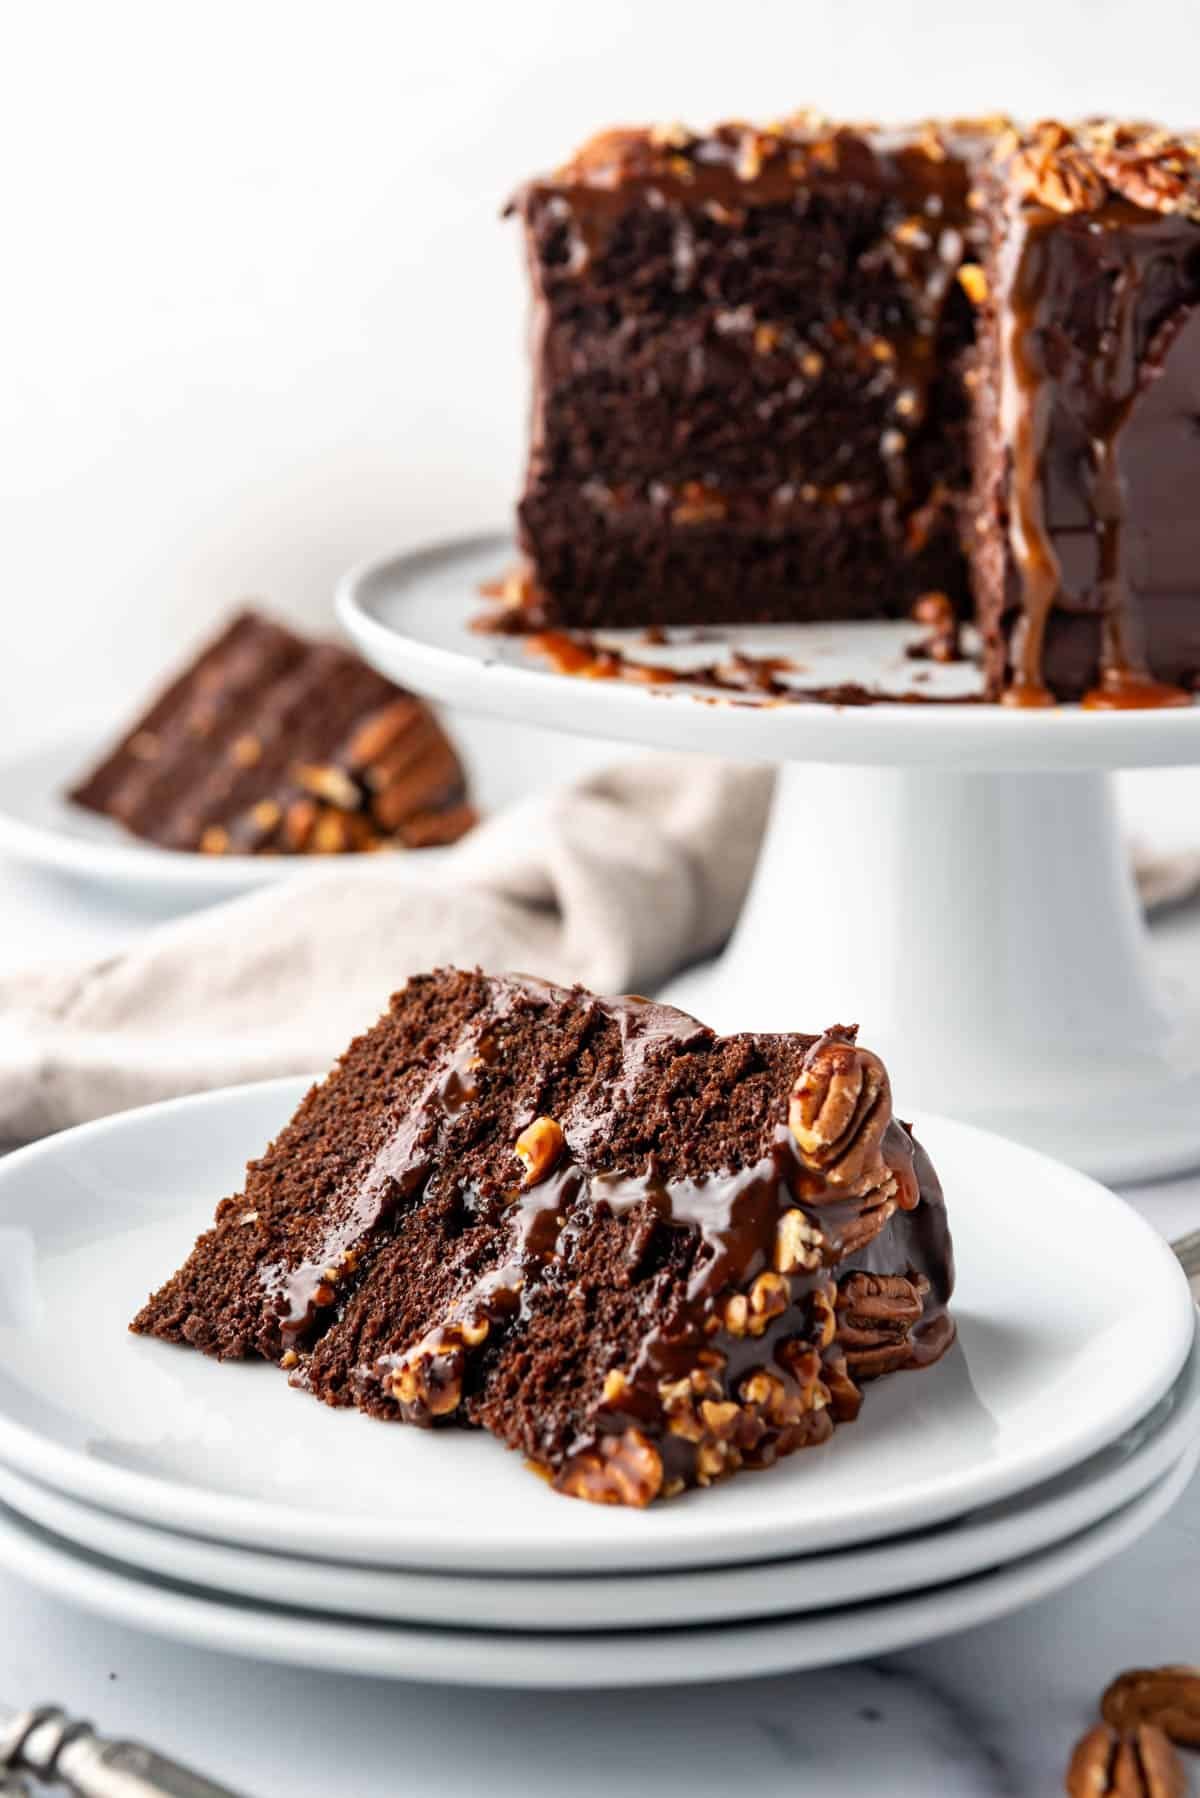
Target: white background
column 259, row 316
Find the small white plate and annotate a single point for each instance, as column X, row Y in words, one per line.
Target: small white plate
column 991, row 1537
column 40, row 826
column 616, row 1658
column 1074, row 1320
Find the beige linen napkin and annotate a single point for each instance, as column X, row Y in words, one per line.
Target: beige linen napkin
column 615, row 882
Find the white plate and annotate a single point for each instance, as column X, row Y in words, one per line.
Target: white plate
column 410, row 616
column 615, row 1658
column 991, row 1537
column 40, row 826
column 1074, row 1320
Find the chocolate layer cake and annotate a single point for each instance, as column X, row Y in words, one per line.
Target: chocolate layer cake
column 758, row 394
column 642, row 1255
column 268, row 744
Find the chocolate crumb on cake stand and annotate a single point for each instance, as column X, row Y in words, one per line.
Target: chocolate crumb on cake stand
column 951, row 875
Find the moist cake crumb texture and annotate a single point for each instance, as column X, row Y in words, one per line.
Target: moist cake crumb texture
column 641, row 1255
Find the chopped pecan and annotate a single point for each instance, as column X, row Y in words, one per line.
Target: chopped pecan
column 247, row 750
column 782, row 1404
column 539, row 1148
column 427, row 1382
column 1139, row 1763
column 698, row 504
column 715, row 1459
column 769, row 1297
column 798, row 1244
column 838, row 1112
column 1051, row 170
column 682, row 1400
column 331, row 783
column 620, row 1470
column 1168, row 1697
column 823, row 1314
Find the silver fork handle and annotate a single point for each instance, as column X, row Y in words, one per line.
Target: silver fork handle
column 45, row 1742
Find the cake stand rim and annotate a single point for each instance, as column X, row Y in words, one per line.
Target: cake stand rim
column 968, row 736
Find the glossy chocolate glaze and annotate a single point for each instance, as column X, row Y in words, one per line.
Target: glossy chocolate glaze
column 895, row 1228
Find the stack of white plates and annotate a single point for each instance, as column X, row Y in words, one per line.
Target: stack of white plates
column 214, row 1504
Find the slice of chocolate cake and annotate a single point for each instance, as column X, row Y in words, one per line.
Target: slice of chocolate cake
column 642, row 1255
column 747, row 356
column 270, row 744
column 1086, row 525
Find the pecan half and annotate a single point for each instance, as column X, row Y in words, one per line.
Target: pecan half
column 1062, row 180
column 876, row 1313
column 838, row 1111
column 1140, row 1763
column 1149, row 177
column 620, row 1470
column 1167, row 1697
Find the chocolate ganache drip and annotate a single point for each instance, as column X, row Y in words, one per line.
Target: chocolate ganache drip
column 1093, row 290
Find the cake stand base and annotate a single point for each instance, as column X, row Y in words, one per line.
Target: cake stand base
column 985, row 931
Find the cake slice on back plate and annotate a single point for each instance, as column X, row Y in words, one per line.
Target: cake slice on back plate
column 269, row 744
column 641, row 1254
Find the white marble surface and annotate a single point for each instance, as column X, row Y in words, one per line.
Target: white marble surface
column 992, row 1710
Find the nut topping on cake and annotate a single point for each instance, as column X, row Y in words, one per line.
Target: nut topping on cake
column 1054, row 172
column 621, row 1470
column 798, row 1244
column 1138, row 1764
column 840, row 1107
column 539, row 1148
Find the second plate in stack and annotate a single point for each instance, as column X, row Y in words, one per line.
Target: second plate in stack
column 214, row 1504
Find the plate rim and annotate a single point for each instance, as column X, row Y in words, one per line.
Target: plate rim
column 636, row 1657
column 968, row 1548
column 234, row 1517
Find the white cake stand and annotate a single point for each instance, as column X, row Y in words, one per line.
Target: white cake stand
column 950, row 877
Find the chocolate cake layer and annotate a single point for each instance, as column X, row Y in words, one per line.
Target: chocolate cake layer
column 641, row 1254
column 747, row 359
column 1086, row 541
column 269, row 744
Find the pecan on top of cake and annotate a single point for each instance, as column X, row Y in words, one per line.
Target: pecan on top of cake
column 1081, row 167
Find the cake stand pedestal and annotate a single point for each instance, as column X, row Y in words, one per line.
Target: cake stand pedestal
column 951, row 877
